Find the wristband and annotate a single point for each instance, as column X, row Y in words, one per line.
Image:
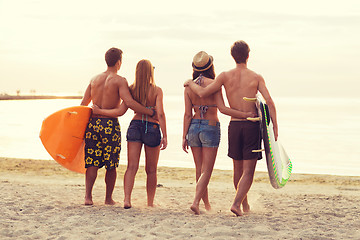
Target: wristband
column 153, row 114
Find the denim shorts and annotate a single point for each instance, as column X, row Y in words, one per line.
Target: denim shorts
column 144, row 132
column 203, row 133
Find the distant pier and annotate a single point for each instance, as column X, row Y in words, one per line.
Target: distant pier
column 36, row 97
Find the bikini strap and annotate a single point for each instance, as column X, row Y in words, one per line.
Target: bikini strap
column 146, row 119
column 203, row 109
column 199, row 80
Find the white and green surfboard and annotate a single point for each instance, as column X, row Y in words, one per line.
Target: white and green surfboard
column 278, row 162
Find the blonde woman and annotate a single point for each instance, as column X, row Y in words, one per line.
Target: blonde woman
column 143, row 130
column 201, row 129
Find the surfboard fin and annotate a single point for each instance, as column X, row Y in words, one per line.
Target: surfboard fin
column 258, row 150
column 250, row 99
column 257, row 119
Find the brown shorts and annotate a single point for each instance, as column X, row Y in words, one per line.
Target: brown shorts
column 243, row 137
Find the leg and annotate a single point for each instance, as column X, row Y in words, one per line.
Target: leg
column 238, row 172
column 134, row 150
column 110, row 179
column 90, row 177
column 197, row 154
column 208, row 161
column 244, row 185
column 151, row 161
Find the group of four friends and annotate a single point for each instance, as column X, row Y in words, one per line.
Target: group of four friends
column 201, row 127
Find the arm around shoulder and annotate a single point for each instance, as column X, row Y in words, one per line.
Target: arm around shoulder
column 209, row 89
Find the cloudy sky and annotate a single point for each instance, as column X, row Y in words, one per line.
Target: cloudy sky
column 302, row 48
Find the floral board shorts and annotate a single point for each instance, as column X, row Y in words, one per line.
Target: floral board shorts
column 102, row 143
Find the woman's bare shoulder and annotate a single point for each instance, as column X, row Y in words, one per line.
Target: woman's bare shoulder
column 158, row 90
column 207, row 81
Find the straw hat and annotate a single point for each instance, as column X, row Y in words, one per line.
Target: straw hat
column 202, row 61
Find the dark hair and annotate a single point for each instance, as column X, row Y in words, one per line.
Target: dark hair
column 240, row 51
column 209, row 73
column 112, row 56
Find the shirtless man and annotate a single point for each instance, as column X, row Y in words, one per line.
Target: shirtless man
column 244, row 136
column 103, row 136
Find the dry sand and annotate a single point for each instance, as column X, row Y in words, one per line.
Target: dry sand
column 42, row 200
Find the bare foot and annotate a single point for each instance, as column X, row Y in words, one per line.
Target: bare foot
column 195, row 209
column 88, row 201
column 207, row 206
column 110, row 202
column 246, row 207
column 150, row 203
column 127, row 205
column 236, row 210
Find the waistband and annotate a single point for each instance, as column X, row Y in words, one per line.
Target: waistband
column 245, row 122
column 144, row 122
column 205, row 122
column 104, row 118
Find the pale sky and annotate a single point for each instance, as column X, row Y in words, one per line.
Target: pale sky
column 301, row 48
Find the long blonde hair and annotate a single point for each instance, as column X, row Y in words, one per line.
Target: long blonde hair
column 144, row 81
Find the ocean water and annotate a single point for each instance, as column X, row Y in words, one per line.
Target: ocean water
column 321, row 136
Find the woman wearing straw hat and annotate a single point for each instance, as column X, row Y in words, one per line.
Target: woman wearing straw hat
column 201, row 129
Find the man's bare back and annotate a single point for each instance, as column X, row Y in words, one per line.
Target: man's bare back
column 238, row 83
column 105, row 90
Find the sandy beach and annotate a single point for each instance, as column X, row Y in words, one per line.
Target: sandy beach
column 42, row 200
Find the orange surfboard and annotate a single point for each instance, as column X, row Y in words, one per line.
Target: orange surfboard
column 62, row 134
